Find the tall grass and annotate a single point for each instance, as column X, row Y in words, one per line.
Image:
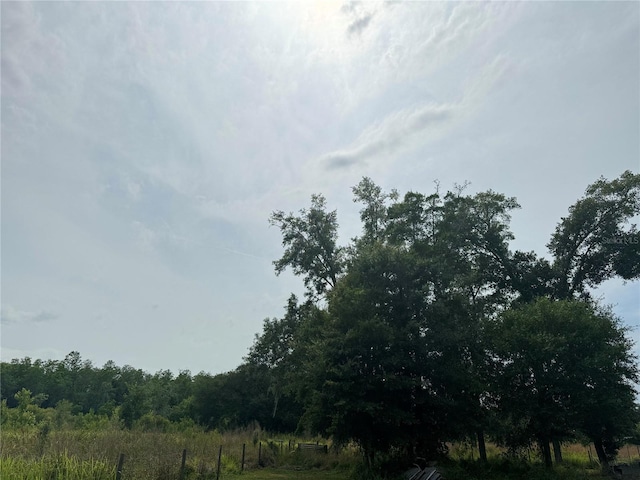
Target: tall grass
column 55, row 467
column 150, row 455
column 43, row 454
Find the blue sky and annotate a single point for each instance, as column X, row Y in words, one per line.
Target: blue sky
column 144, row 146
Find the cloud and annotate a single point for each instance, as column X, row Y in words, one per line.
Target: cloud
column 359, row 15
column 10, row 315
column 359, row 25
column 409, row 127
column 392, row 134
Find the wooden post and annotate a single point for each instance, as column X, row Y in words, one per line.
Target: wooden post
column 182, row 465
column 119, row 467
column 244, row 446
column 260, row 454
column 219, row 463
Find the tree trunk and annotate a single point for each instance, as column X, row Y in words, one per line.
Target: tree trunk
column 557, row 450
column 482, row 448
column 546, row 452
column 369, row 454
column 602, row 456
column 275, row 405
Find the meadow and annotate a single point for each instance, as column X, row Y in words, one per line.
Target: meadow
column 44, row 454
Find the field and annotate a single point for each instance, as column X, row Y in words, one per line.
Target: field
column 87, row 454
column 39, row 454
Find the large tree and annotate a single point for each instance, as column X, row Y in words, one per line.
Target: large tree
column 402, row 350
column 563, row 366
column 400, row 344
column 597, row 240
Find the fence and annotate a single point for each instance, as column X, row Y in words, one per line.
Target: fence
column 271, row 447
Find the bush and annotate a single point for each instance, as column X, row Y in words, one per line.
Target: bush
column 153, row 423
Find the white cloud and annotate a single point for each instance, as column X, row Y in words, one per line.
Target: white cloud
column 409, row 128
column 390, row 136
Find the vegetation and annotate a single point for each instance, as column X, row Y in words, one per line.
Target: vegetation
column 427, row 329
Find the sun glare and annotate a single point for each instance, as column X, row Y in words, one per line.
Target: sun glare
column 324, row 28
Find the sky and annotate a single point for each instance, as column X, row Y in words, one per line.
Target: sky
column 144, row 146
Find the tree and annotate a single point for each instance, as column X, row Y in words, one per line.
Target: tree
column 423, row 277
column 595, row 241
column 134, row 405
column 374, row 213
column 273, row 350
column 235, row 399
column 563, row 366
column 404, row 342
column 310, row 245
column 366, row 375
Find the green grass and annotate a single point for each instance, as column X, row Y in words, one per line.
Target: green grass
column 59, row 467
column 35, row 454
column 71, row 454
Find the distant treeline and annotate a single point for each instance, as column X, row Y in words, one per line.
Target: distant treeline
column 424, row 330
column 223, row 401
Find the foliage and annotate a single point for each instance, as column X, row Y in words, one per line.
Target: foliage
column 405, row 344
column 310, row 245
column 562, row 367
column 595, row 241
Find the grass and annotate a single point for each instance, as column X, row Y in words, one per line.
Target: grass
column 58, row 467
column 36, row 454
column 70, row 454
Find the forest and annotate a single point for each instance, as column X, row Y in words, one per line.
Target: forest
column 425, row 329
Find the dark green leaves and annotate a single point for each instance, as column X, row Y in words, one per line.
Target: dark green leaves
column 596, row 240
column 310, row 245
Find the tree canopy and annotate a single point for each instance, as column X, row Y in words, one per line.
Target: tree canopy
column 431, row 321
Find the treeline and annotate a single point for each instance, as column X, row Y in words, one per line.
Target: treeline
column 427, row 328
column 132, row 397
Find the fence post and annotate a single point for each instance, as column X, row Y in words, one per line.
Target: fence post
column 244, row 445
column 219, row 462
column 182, row 465
column 119, row 467
column 260, row 454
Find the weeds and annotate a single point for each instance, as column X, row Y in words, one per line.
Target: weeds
column 54, row 454
column 56, row 467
